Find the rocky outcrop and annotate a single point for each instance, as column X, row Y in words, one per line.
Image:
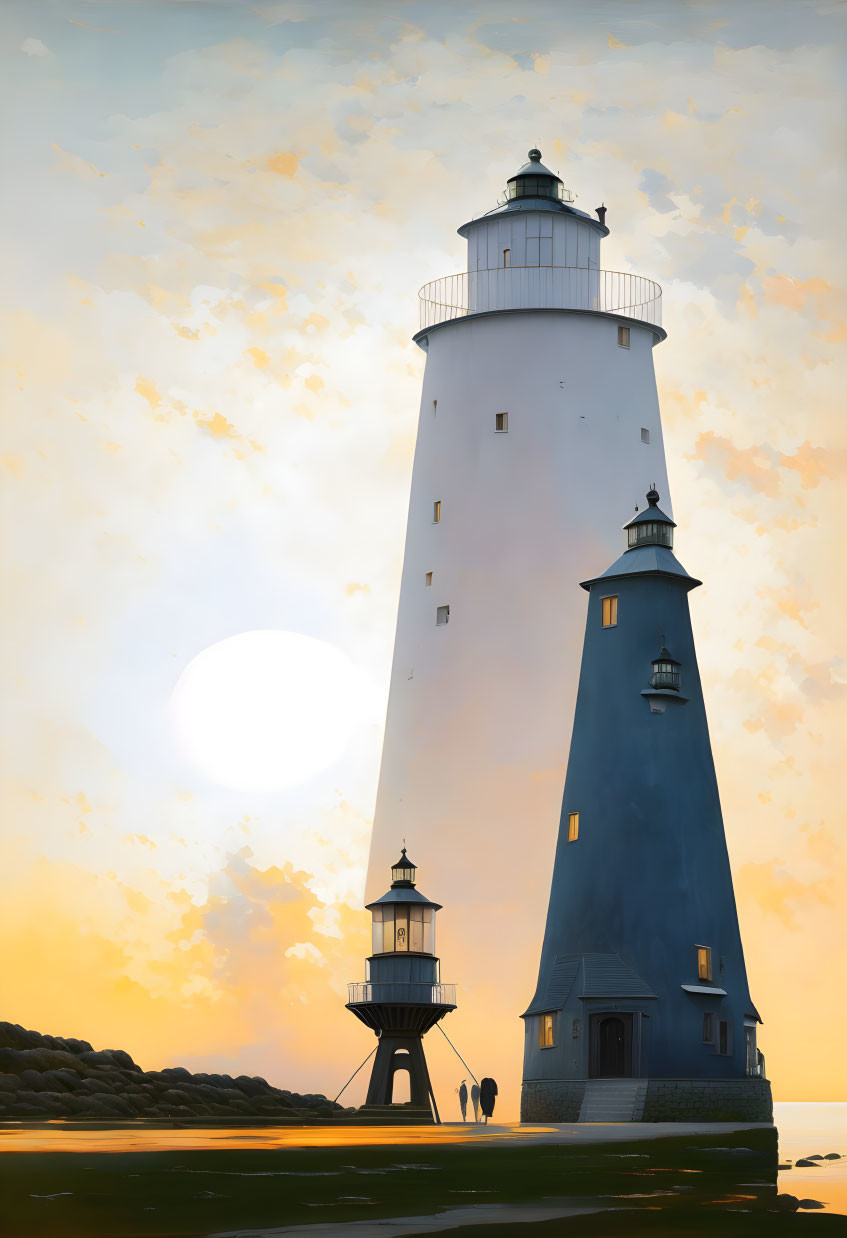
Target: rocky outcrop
column 59, row 1077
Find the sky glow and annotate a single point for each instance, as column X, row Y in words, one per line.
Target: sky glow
column 217, row 219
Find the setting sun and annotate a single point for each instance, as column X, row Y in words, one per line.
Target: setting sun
column 267, row 710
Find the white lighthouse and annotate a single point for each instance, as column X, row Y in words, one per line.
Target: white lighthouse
column 539, row 410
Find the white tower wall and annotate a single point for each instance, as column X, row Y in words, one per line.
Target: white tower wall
column 480, row 708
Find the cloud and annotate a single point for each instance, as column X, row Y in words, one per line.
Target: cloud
column 34, row 47
column 656, row 185
column 295, row 192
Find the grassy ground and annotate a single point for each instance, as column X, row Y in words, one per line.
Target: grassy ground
column 189, row 1194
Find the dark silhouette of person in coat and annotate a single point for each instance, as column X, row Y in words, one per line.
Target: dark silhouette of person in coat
column 475, row 1100
column 463, row 1100
column 487, row 1094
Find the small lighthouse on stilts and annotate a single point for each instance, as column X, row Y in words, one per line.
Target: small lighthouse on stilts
column 402, row 997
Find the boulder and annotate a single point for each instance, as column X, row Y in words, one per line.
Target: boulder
column 49, row 1101
column 124, row 1061
column 251, row 1087
column 95, row 1086
column 174, row 1096
column 13, row 1036
column 787, row 1203
column 176, row 1072
column 24, row 1108
column 77, row 1046
column 32, row 1081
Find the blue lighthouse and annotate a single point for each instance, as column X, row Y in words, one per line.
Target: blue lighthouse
column 402, row 997
column 642, row 1009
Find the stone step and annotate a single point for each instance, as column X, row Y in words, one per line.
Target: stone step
column 613, row 1100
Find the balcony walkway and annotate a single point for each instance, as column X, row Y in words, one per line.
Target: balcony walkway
column 540, row 287
column 413, row 992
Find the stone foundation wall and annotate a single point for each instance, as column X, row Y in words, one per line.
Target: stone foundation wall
column 708, row 1100
column 554, row 1100
column 667, row 1100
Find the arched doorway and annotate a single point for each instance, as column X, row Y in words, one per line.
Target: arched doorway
column 610, row 1050
column 401, row 1086
column 401, row 1078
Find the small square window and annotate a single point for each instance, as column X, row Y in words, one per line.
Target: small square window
column 545, row 1032
column 428, row 579
column 623, row 337
column 645, row 435
column 501, row 423
column 436, row 511
column 708, row 1028
column 573, row 827
column 610, row 612
column 704, row 963
column 442, row 616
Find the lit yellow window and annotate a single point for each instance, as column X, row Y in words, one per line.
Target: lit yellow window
column 436, row 511
column 545, row 1032
column 704, row 963
column 573, row 827
column 610, row 612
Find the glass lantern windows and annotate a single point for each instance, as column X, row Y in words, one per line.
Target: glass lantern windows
column 399, row 929
column 665, row 672
column 535, row 187
column 650, row 533
column 403, row 872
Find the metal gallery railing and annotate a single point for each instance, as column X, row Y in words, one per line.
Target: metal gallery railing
column 419, row 993
column 540, row 287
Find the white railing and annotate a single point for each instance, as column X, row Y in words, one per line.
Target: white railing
column 417, row 992
column 540, row 287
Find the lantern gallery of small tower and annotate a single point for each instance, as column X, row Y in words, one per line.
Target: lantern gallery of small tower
column 402, row 996
column 642, row 1009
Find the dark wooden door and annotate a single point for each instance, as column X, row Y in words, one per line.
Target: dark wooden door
column 610, row 1053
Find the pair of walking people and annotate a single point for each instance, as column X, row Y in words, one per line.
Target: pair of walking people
column 482, row 1096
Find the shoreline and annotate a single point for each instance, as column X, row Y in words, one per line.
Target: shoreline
column 141, row 1134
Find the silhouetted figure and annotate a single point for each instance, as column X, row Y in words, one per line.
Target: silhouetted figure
column 487, row 1094
column 475, row 1101
column 463, row 1100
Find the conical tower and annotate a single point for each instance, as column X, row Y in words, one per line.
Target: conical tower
column 539, row 408
column 642, row 1008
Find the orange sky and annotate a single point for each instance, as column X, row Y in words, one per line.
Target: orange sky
column 217, row 225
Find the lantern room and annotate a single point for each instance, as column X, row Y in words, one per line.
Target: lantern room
column 665, row 672
column 650, row 527
column 533, row 180
column 403, row 920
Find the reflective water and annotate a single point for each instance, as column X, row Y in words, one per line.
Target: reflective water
column 148, row 1181
column 808, row 1128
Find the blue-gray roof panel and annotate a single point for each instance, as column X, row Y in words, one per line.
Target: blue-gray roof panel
column 644, row 559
